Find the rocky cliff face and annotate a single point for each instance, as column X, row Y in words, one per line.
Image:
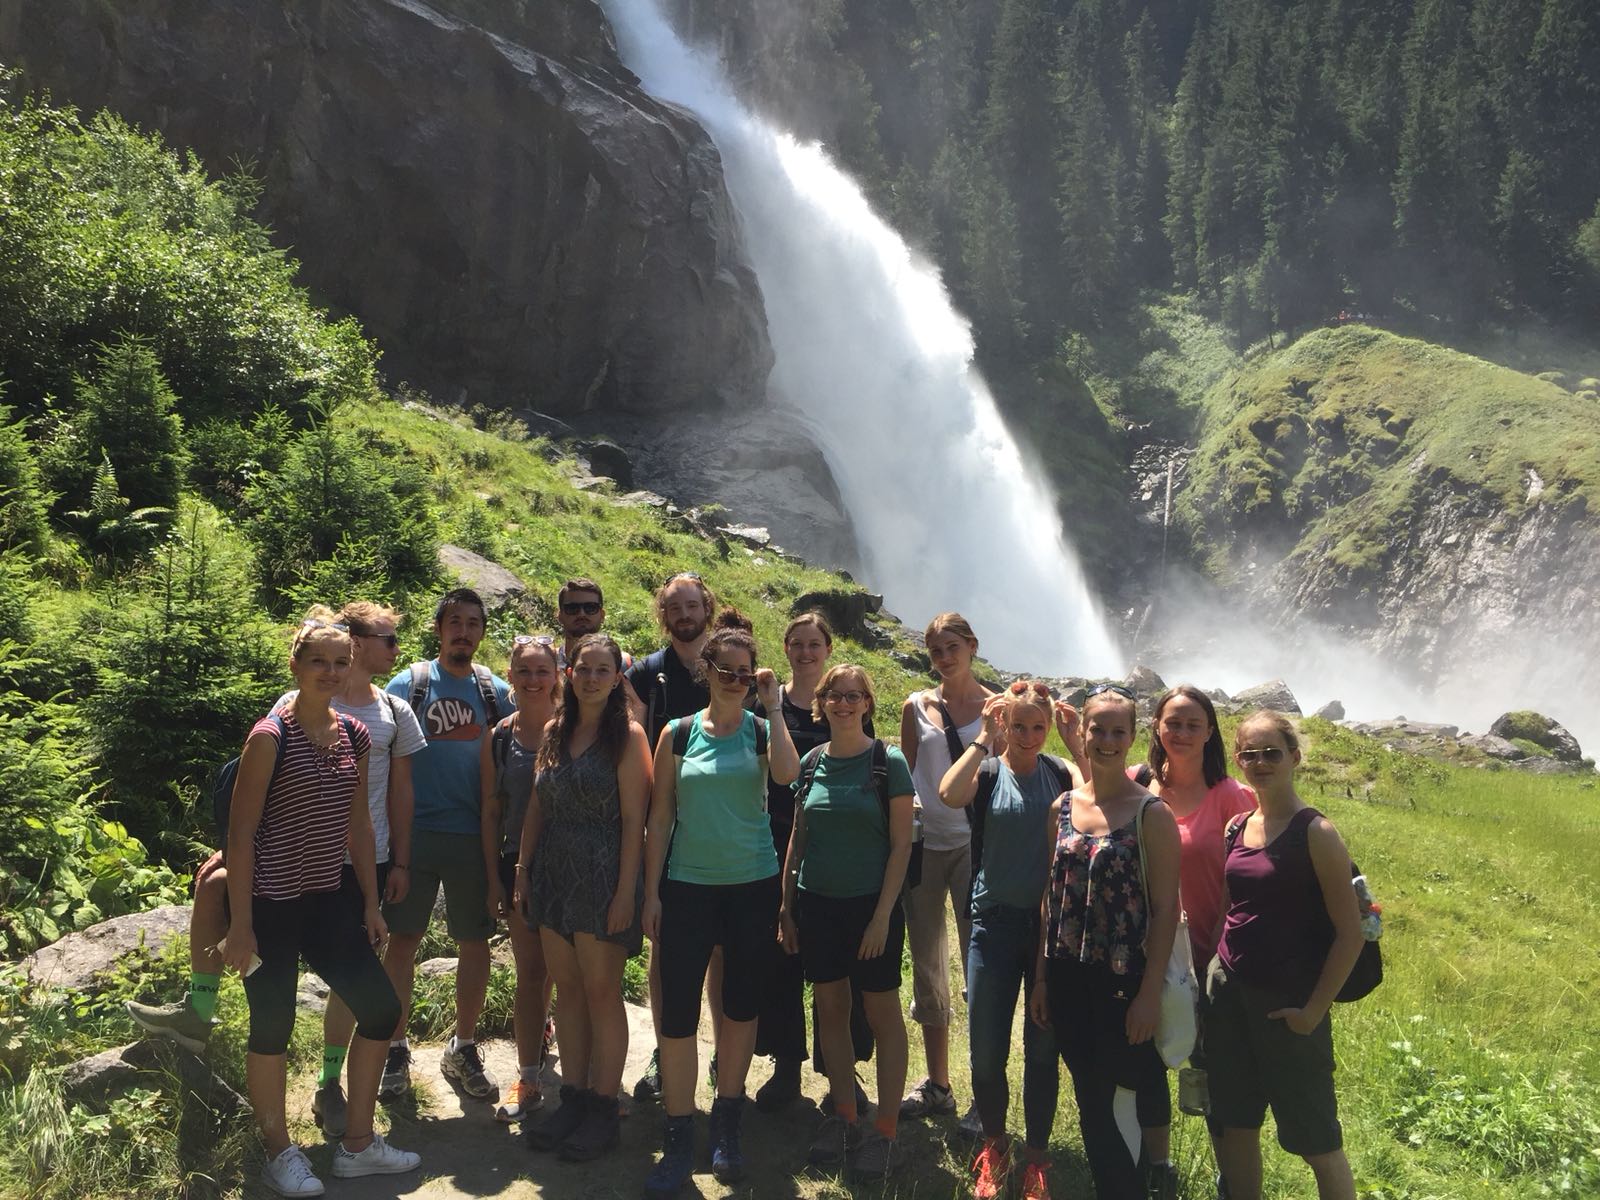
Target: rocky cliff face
column 514, row 221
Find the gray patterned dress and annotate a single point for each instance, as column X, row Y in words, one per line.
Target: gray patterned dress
column 578, row 860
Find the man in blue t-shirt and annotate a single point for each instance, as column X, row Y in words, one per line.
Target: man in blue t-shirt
column 457, row 702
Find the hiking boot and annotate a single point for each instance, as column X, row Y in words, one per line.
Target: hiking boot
column 927, row 1099
column 970, row 1126
column 396, row 1081
column 554, row 1128
column 327, row 1109
column 649, row 1086
column 600, row 1131
column 877, row 1157
column 379, row 1158
column 289, row 1173
column 1035, row 1182
column 833, row 1143
column 991, row 1169
column 463, row 1066
column 727, row 1159
column 523, row 1099
column 176, row 1022
column 1161, row 1181
column 676, row 1164
column 783, row 1089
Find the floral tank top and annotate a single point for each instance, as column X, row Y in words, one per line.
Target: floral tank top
column 1096, row 898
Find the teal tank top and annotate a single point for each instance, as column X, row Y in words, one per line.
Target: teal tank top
column 722, row 835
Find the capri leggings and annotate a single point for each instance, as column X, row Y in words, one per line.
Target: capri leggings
column 742, row 918
column 321, row 928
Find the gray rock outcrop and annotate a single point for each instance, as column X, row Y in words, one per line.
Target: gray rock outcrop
column 75, row 960
column 1333, row 710
column 500, row 589
column 1142, row 681
column 1541, row 731
column 500, row 209
column 1274, row 695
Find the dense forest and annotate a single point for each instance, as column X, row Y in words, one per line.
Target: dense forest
column 1430, row 161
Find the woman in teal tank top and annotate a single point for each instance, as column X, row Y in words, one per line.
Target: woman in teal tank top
column 711, row 878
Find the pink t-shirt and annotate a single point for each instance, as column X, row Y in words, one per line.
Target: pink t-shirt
column 1200, row 883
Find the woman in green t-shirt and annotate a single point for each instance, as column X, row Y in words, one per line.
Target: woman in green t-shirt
column 841, row 913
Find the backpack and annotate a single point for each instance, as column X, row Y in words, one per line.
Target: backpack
column 880, row 784
column 978, row 810
column 227, row 777
column 480, row 674
column 1367, row 974
column 681, row 729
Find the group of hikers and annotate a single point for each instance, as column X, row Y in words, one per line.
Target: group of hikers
column 763, row 838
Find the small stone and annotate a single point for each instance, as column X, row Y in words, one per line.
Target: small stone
column 437, row 966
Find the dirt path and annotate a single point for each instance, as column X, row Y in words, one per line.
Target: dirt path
column 466, row 1153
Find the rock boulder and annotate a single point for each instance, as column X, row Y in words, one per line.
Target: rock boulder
column 846, row 611
column 500, row 588
column 75, row 960
column 1541, row 731
column 1274, row 695
column 1142, row 681
column 1333, row 710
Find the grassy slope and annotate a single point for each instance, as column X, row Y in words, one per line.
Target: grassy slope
column 1328, row 442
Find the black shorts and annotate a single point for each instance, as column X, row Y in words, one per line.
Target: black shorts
column 508, row 876
column 350, row 888
column 830, row 941
column 1253, row 1063
column 696, row 918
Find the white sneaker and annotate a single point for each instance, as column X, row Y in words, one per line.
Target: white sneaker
column 379, row 1158
column 289, row 1173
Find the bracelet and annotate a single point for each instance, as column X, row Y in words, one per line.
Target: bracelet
column 975, row 744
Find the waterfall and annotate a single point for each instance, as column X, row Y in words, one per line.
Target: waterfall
column 876, row 365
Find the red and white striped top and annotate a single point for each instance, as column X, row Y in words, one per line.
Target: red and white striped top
column 306, row 818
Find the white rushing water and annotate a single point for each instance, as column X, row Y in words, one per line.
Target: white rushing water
column 877, row 365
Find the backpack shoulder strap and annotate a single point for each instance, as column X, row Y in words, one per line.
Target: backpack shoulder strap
column 419, row 686
column 485, row 681
column 500, row 743
column 952, row 739
column 1145, row 775
column 808, row 771
column 1230, row 835
column 389, row 703
column 681, row 730
column 988, row 776
column 880, row 773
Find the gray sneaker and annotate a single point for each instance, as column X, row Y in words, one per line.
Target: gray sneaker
column 177, row 1022
column 927, row 1099
column 831, row 1146
column 328, row 1108
column 463, row 1066
column 877, row 1157
column 971, row 1125
column 396, row 1082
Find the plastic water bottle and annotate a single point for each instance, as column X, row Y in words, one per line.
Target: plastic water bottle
column 1371, row 912
column 916, row 821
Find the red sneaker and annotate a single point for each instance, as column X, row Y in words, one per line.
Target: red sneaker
column 990, row 1170
column 1035, row 1182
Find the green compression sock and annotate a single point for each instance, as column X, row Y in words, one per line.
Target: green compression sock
column 203, row 994
column 332, row 1064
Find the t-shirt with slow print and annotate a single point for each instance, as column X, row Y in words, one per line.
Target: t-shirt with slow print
column 847, row 835
column 444, row 773
column 299, row 843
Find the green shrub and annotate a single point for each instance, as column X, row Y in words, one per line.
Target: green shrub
column 24, row 503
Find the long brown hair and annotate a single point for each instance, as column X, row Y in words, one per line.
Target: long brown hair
column 1214, row 764
column 613, row 733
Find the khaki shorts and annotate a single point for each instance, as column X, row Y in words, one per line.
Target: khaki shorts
column 455, row 862
column 946, row 880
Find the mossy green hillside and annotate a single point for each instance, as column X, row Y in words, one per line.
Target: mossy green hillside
column 1340, row 439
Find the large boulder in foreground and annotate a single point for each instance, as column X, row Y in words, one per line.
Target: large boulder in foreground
column 74, row 961
column 512, row 218
column 1539, row 729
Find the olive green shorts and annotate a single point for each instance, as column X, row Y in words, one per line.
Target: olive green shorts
column 454, row 861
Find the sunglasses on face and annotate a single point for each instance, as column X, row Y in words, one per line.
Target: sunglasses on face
column 1267, row 754
column 388, row 639
column 844, row 697
column 1101, row 688
column 588, row 608
column 745, row 677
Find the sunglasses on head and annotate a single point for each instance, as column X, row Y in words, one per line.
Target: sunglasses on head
column 743, row 676
column 587, row 607
column 685, row 575
column 319, row 623
column 1267, row 754
column 1101, row 688
column 533, row 639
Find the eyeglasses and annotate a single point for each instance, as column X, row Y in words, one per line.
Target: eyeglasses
column 318, row 623
column 727, row 676
column 533, row 639
column 388, row 639
column 844, row 697
column 1267, row 754
column 587, row 607
column 1101, row 688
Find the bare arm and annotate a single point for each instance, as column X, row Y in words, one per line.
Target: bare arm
column 959, row 786
column 244, row 818
column 894, row 871
column 401, row 802
column 658, row 830
column 787, row 931
column 1331, row 861
column 490, row 810
column 532, row 827
column 364, row 855
column 633, row 792
column 783, row 760
column 1162, row 847
column 908, row 733
column 1038, row 996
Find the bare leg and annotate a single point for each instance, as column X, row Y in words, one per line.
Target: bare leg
column 472, row 986
column 654, row 978
column 889, row 1030
column 338, row 1023
column 601, row 997
column 400, row 964
column 366, row 1066
column 936, row 1045
column 266, row 1079
column 714, row 998
column 680, row 1064
column 1157, row 1142
column 208, row 921
column 735, row 1046
column 1241, row 1163
column 1334, row 1180
column 533, row 992
column 572, row 1021
column 838, row 1051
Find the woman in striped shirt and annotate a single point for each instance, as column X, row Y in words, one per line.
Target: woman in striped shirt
column 300, row 799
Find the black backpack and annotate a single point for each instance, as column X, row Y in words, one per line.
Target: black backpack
column 880, row 784
column 480, row 674
column 978, row 810
column 1367, row 974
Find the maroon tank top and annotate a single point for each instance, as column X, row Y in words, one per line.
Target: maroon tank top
column 1277, row 932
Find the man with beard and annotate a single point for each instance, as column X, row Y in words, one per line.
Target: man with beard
column 667, row 685
column 456, row 701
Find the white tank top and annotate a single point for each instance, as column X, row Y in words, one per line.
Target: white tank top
column 943, row 827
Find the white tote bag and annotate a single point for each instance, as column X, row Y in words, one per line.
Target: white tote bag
column 1176, row 1028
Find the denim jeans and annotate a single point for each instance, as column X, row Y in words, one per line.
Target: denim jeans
column 999, row 965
